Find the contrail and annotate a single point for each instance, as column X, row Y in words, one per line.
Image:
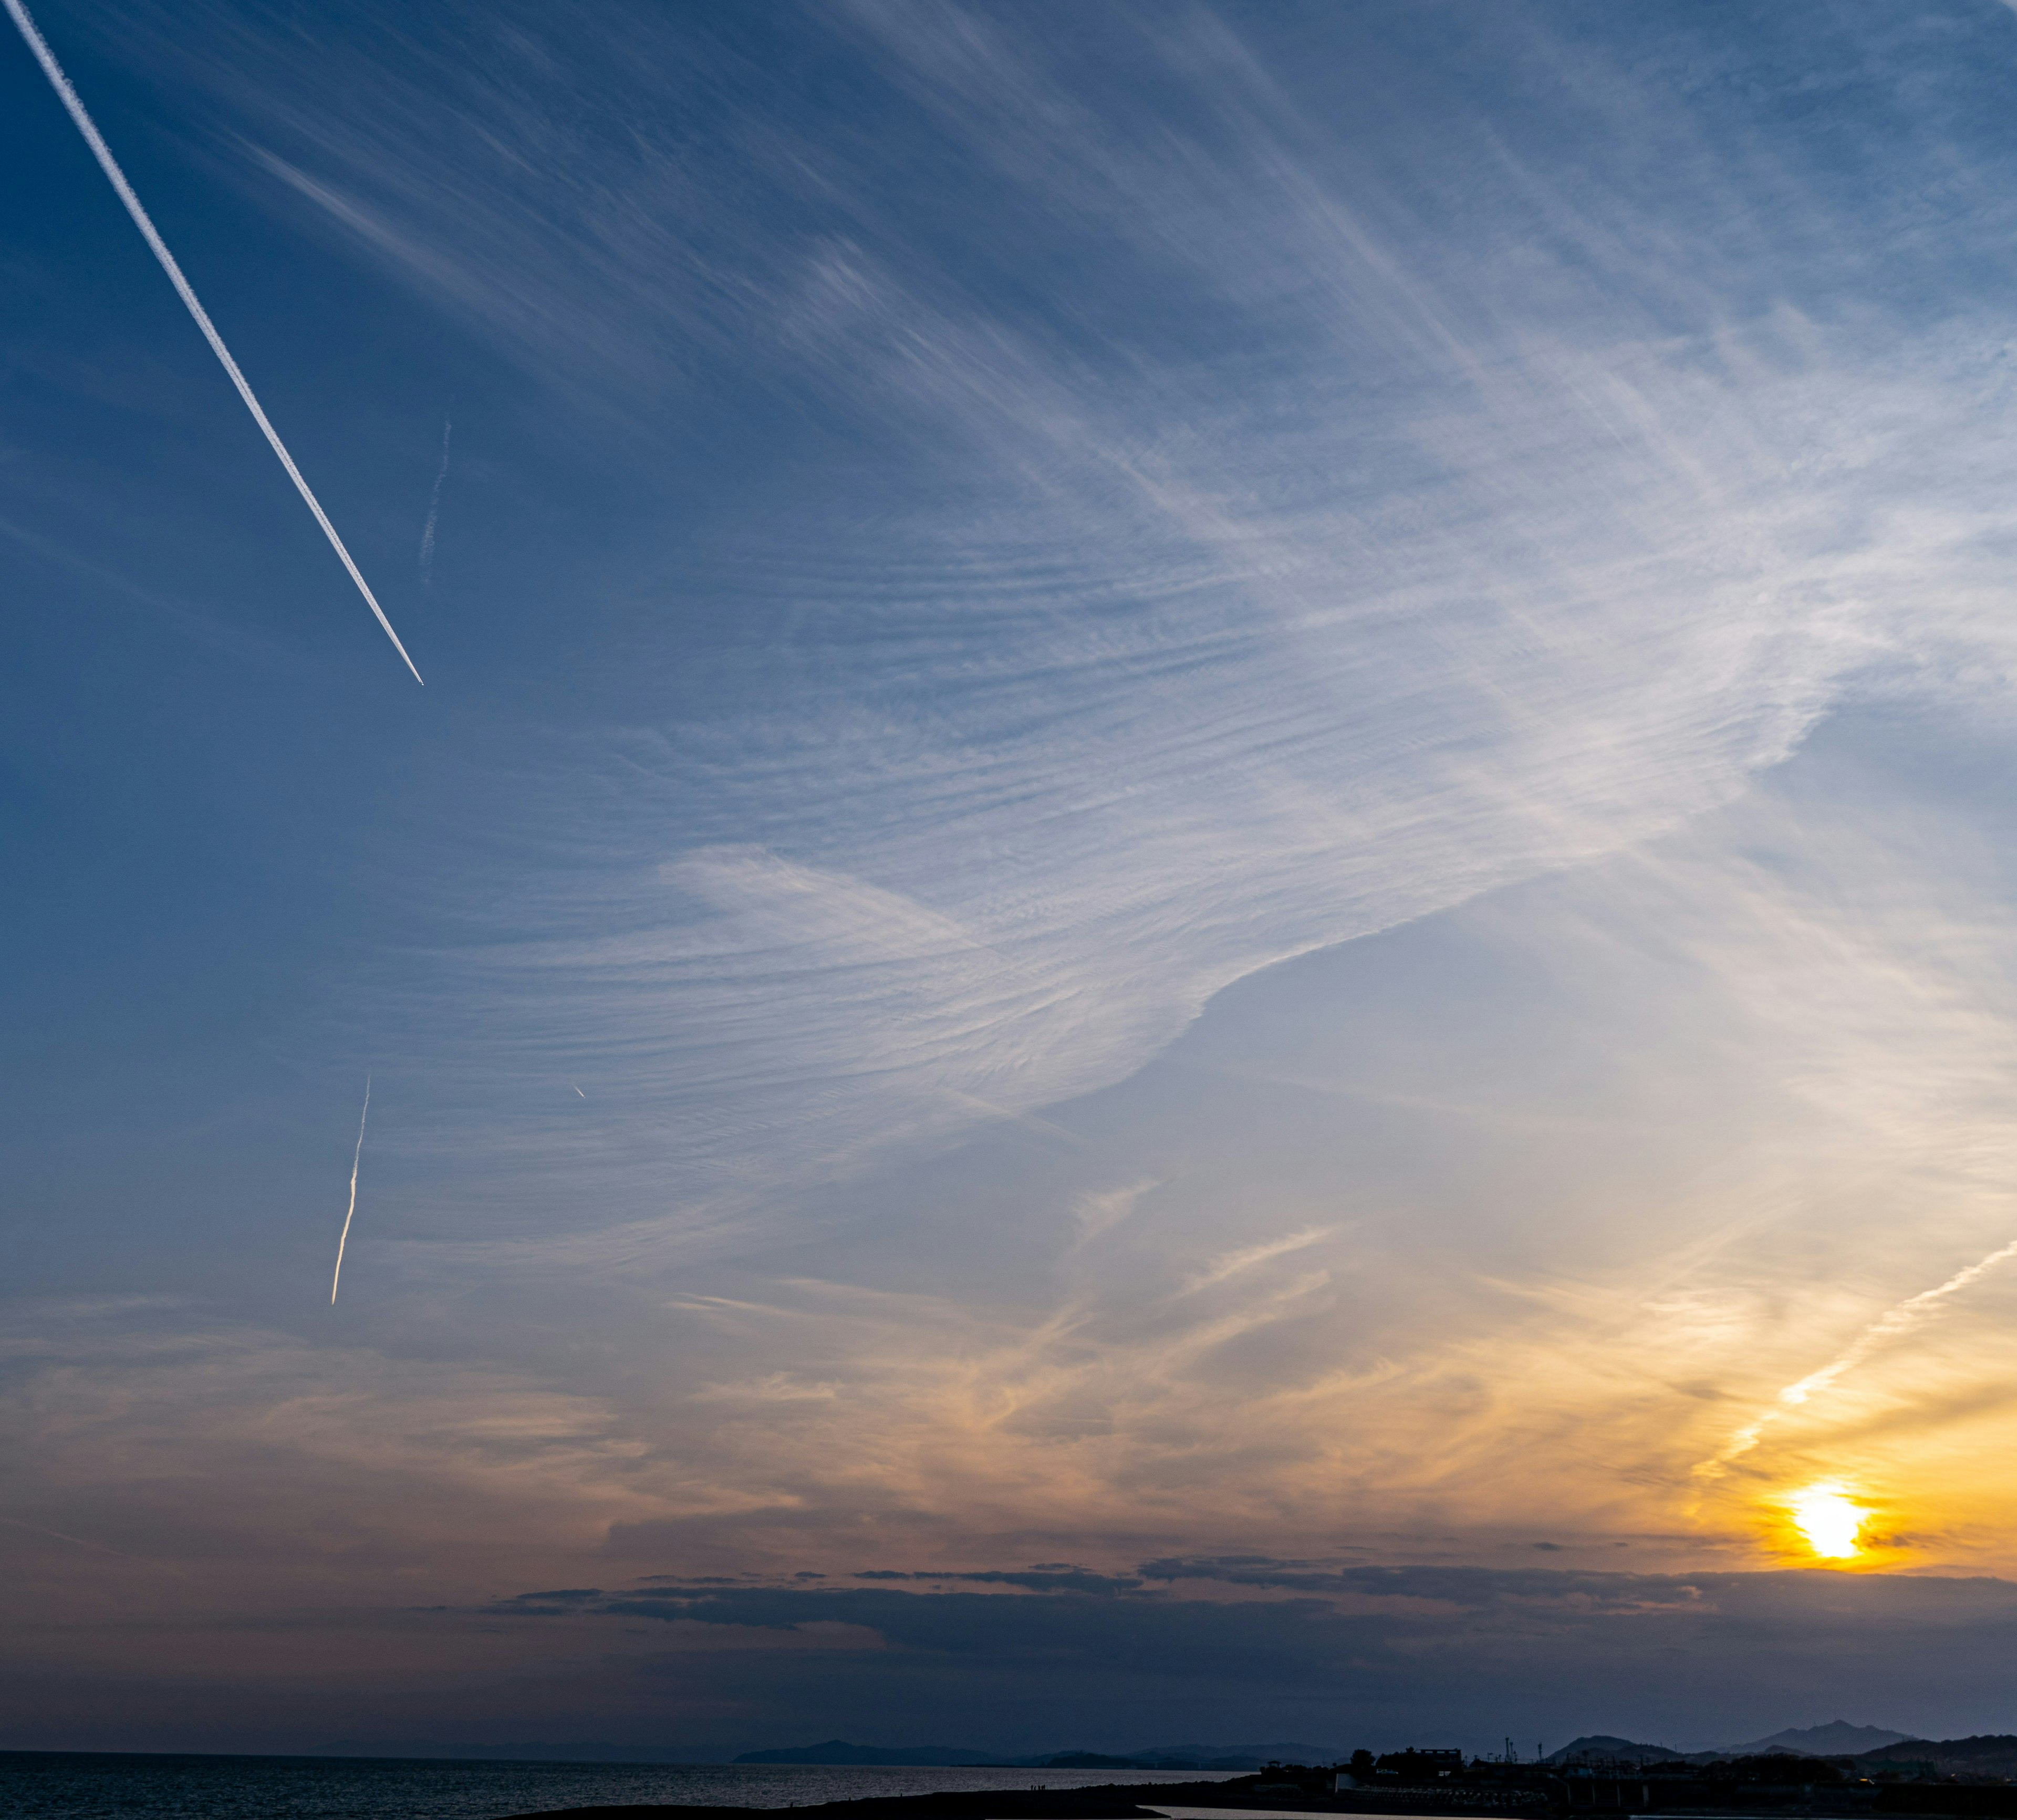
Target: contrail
column 1892, row 1322
column 357, row 1156
column 104, row 1548
column 110, row 165
column 433, row 511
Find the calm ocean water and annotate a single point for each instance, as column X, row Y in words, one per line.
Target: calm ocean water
column 59, row 1785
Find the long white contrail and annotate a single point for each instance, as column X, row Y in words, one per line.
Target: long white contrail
column 110, row 165
column 357, row 1156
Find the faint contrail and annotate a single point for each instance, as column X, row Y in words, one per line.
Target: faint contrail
column 433, row 511
column 104, row 1548
column 1888, row 1325
column 110, row 165
column 357, row 1156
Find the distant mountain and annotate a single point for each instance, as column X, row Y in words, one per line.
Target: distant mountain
column 1836, row 1738
column 1220, row 1756
column 908, row 1756
column 1986, row 1754
column 1603, row 1744
column 1081, row 1760
column 577, row 1751
column 1248, row 1756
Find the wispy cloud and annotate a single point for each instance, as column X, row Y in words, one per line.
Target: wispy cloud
column 1229, row 1264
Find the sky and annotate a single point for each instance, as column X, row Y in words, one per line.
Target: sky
column 1201, row 926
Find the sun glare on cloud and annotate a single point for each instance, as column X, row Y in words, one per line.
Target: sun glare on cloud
column 1829, row 1519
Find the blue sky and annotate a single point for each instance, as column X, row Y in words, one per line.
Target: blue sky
column 1224, row 784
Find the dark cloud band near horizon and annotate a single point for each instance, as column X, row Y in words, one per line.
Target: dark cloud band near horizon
column 1376, row 1656
column 1382, row 1656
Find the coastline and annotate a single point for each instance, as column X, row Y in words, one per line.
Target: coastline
column 1624, row 1796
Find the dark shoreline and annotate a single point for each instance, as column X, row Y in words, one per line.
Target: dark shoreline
column 1102, row 1801
column 1515, row 1801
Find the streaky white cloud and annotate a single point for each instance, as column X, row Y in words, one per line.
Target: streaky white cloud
column 1099, row 1210
column 1028, row 823
column 1453, row 556
column 1228, row 1264
column 1347, row 522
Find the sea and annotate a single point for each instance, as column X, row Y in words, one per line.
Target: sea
column 39, row 1785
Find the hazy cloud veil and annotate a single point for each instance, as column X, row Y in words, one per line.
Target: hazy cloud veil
column 1450, row 523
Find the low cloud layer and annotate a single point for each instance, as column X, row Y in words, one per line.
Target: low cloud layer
column 1342, row 1656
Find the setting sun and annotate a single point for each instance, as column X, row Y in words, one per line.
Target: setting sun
column 1829, row 1520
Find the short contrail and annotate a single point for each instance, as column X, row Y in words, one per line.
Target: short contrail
column 433, row 511
column 357, row 1156
column 102, row 1548
column 59, row 81
column 1893, row 1321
